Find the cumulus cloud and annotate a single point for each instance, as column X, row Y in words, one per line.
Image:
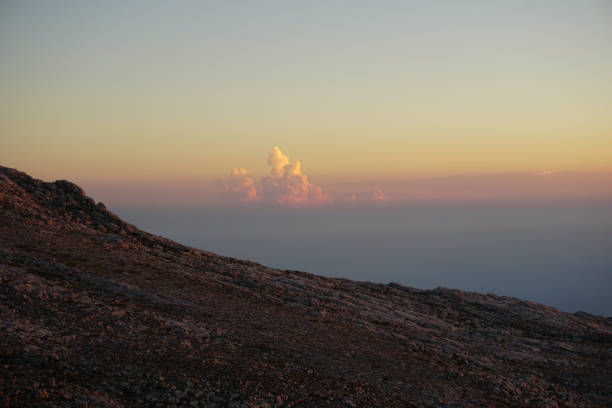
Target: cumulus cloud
column 288, row 185
column 239, row 186
column 376, row 196
column 277, row 160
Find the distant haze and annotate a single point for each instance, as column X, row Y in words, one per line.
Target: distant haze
column 553, row 253
column 559, row 187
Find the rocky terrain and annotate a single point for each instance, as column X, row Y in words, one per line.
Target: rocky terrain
column 96, row 313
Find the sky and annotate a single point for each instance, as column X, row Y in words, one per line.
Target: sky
column 368, row 101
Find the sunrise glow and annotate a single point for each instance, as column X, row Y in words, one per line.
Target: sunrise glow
column 353, row 93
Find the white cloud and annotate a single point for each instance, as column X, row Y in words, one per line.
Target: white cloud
column 287, row 185
column 277, row 160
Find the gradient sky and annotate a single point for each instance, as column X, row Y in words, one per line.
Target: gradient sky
column 178, row 92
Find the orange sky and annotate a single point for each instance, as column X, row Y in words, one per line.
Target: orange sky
column 120, row 94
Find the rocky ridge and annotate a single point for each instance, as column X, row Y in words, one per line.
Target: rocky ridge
column 95, row 312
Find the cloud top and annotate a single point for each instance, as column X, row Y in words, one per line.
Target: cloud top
column 277, row 161
column 288, row 185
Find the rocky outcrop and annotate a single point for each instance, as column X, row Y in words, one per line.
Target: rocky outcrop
column 94, row 312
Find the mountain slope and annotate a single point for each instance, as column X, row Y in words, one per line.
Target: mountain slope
column 95, row 312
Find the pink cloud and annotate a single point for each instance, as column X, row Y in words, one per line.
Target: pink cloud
column 500, row 186
column 375, row 196
column 239, row 186
column 288, row 185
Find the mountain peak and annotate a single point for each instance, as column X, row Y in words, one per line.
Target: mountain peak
column 28, row 197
